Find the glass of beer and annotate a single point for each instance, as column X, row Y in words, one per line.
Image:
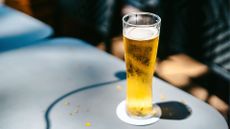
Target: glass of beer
column 140, row 37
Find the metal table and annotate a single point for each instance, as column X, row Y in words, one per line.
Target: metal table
column 18, row 29
column 64, row 83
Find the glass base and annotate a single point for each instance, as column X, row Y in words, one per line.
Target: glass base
column 122, row 115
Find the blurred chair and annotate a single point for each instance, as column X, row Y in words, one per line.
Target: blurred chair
column 44, row 10
column 203, row 34
column 18, row 29
column 21, row 5
column 93, row 21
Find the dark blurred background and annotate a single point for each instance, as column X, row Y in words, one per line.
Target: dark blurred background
column 194, row 48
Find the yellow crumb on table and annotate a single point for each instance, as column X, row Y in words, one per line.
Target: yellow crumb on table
column 87, row 124
column 119, row 87
column 66, row 103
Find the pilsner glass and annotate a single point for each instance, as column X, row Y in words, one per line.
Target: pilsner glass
column 140, row 37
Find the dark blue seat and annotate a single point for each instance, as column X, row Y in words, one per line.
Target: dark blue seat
column 18, row 29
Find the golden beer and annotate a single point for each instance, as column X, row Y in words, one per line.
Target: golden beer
column 140, row 55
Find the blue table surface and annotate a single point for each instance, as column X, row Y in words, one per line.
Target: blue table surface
column 18, row 29
column 64, row 83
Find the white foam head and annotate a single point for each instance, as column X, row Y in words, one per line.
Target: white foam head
column 141, row 33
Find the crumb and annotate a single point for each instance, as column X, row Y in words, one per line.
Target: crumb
column 119, row 88
column 87, row 124
column 76, row 111
column 66, row 103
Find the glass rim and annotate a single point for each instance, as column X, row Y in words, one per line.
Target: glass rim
column 141, row 13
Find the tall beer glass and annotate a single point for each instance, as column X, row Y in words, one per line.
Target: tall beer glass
column 140, row 37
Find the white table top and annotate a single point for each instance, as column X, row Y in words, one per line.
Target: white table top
column 64, row 83
column 18, row 29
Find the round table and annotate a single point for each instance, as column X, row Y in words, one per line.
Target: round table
column 65, row 83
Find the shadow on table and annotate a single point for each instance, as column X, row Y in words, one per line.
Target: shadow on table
column 174, row 110
column 170, row 110
column 121, row 75
column 48, row 124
